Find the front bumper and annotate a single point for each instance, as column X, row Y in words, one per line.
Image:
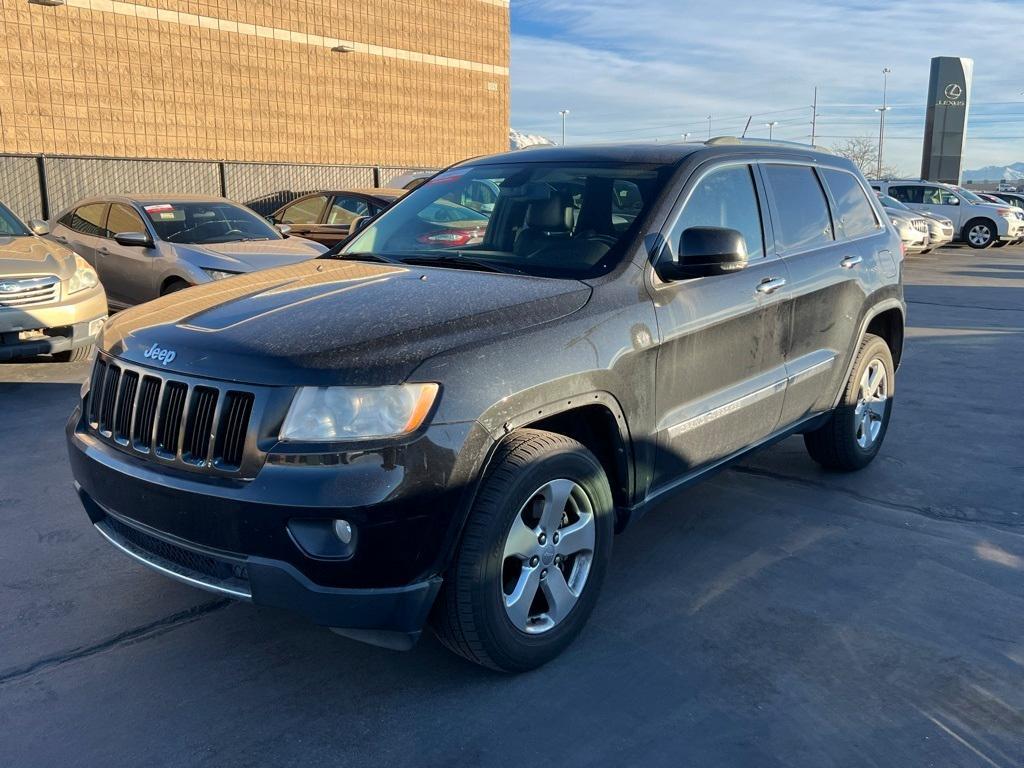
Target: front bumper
column 389, row 616
column 72, row 323
column 233, row 537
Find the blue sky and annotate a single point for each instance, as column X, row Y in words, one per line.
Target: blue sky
column 654, row 69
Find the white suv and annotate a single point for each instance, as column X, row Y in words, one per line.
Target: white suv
column 977, row 222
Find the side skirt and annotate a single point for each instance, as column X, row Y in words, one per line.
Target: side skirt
column 631, row 514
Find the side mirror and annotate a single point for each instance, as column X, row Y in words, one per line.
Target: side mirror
column 284, row 229
column 39, row 227
column 704, row 252
column 133, row 239
column 357, row 224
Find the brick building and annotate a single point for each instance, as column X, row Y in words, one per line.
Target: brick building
column 378, row 82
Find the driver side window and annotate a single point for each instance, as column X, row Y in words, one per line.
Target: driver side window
column 726, row 197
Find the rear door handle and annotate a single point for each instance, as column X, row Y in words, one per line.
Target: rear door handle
column 60, row 238
column 770, row 284
column 104, row 250
column 850, row 262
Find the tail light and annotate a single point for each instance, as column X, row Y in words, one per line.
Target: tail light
column 448, row 238
column 903, row 249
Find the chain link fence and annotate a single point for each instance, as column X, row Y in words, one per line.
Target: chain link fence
column 40, row 187
column 266, row 187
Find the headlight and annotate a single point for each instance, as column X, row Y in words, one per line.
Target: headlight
column 218, row 274
column 84, row 277
column 323, row 414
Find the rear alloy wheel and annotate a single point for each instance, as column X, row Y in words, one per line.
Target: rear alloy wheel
column 853, row 435
column 980, row 233
column 532, row 557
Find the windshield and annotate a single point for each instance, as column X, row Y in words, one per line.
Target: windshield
column 892, row 202
column 10, row 225
column 541, row 218
column 214, row 222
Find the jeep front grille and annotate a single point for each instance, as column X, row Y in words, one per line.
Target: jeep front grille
column 30, row 292
column 193, row 424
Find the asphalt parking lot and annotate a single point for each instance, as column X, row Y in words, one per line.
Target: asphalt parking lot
column 777, row 615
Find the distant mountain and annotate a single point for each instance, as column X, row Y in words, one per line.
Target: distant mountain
column 517, row 140
column 1012, row 172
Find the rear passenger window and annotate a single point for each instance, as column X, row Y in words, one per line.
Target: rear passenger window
column 724, row 198
column 89, row 220
column 907, row 194
column 853, row 212
column 803, row 218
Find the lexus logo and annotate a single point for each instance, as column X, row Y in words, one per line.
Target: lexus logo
column 954, row 91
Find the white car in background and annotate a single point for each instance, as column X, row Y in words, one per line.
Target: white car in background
column 940, row 229
column 975, row 221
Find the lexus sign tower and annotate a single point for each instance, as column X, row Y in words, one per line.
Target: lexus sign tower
column 945, row 131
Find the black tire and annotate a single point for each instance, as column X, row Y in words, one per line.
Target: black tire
column 982, row 225
column 470, row 616
column 835, row 444
column 174, row 286
column 76, row 355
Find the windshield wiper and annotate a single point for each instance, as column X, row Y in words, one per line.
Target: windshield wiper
column 379, row 257
column 461, row 262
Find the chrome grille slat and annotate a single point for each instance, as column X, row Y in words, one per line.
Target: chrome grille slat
column 145, row 414
column 109, row 398
column 168, row 436
column 126, row 407
column 28, row 292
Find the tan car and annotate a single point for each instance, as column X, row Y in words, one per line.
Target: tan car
column 51, row 301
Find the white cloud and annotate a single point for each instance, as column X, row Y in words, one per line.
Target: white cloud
column 654, row 68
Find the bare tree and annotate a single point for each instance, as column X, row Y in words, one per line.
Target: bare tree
column 863, row 152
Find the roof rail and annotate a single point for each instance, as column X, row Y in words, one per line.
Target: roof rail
column 718, row 141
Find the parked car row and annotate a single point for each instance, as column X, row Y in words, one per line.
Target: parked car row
column 976, row 221
column 59, row 280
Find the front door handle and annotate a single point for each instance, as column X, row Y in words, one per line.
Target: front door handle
column 850, row 262
column 60, row 238
column 770, row 284
column 104, row 250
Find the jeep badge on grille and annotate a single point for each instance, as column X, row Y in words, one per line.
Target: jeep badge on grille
column 162, row 356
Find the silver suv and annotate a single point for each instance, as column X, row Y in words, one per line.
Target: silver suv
column 976, row 222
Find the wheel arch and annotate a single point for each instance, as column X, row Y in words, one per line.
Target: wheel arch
column 965, row 231
column 887, row 316
column 168, row 280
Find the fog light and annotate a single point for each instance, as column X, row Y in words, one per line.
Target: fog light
column 343, row 530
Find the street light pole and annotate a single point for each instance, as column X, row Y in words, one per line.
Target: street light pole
column 771, row 128
column 563, row 113
column 881, row 118
column 686, row 136
column 709, row 127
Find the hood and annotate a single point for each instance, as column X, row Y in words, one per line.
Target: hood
column 249, row 255
column 901, row 216
column 30, row 256
column 333, row 322
column 935, row 217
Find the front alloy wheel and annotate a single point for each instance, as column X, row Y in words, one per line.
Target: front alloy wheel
column 532, row 557
column 547, row 556
column 980, row 235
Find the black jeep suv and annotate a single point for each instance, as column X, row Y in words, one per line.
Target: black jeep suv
column 446, row 424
